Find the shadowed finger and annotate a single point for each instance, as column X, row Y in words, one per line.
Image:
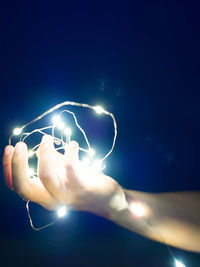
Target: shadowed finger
column 28, row 188
column 6, row 163
column 47, row 169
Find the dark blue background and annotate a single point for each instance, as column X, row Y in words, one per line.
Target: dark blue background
column 140, row 60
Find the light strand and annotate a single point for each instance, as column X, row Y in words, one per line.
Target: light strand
column 59, row 141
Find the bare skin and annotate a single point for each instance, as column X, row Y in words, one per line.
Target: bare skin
column 65, row 180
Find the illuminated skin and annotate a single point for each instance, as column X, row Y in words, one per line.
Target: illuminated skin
column 65, row 180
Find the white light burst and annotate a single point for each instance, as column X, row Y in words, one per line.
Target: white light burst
column 62, row 212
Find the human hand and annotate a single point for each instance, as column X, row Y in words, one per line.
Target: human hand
column 63, row 179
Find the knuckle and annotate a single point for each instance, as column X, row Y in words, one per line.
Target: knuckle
column 45, row 174
column 69, row 166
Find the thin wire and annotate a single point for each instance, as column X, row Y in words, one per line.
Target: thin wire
column 88, row 144
column 159, row 234
column 31, row 222
column 70, row 103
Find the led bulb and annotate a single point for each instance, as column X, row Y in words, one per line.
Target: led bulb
column 30, row 172
column 137, row 209
column 67, row 131
column 62, row 212
column 97, row 165
column 92, row 152
column 30, row 153
column 17, row 131
column 61, row 125
column 179, row 264
column 99, row 109
column 86, row 160
column 56, row 119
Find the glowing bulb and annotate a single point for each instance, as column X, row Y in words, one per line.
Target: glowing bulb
column 67, row 131
column 30, row 153
column 30, row 172
column 58, row 122
column 97, row 165
column 99, row 109
column 179, row 264
column 86, row 160
column 137, row 209
column 62, row 212
column 17, row 131
column 61, row 125
column 92, row 152
column 56, row 119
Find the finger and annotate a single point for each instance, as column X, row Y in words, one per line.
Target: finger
column 47, row 166
column 71, row 153
column 28, row 188
column 72, row 165
column 20, row 170
column 6, row 162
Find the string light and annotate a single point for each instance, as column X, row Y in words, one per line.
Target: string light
column 137, row 209
column 97, row 165
column 30, row 172
column 67, row 131
column 58, row 140
column 116, row 202
column 62, row 212
column 92, row 152
column 30, row 153
column 56, row 119
column 17, row 131
column 99, row 109
column 86, row 160
column 179, row 263
column 60, row 125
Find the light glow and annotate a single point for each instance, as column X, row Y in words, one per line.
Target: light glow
column 86, row 160
column 62, row 212
column 179, row 264
column 92, row 152
column 97, row 165
column 60, row 125
column 30, row 153
column 56, row 119
column 30, row 172
column 61, row 144
column 92, row 180
column 137, row 209
column 99, row 109
column 67, row 131
column 17, row 131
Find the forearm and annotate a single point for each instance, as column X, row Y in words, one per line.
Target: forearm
column 173, row 218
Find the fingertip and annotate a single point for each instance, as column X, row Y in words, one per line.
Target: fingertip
column 20, row 147
column 8, row 150
column 47, row 138
column 46, row 143
column 73, row 145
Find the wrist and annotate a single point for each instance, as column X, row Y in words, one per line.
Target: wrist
column 110, row 205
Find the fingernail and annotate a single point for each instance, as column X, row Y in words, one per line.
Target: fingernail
column 46, row 138
column 7, row 150
column 73, row 144
column 19, row 147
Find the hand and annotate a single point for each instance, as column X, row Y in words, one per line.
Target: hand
column 63, row 179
